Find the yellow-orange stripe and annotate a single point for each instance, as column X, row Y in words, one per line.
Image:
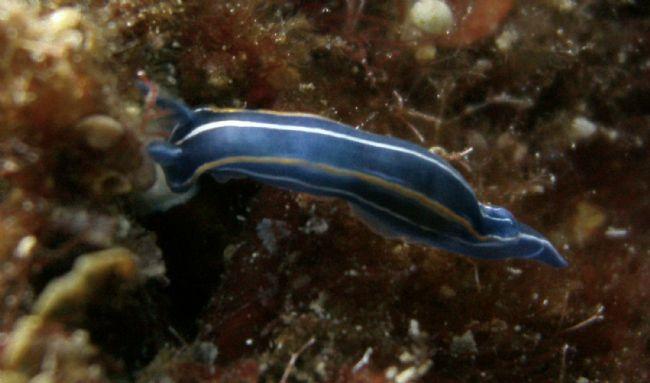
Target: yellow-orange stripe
column 406, row 192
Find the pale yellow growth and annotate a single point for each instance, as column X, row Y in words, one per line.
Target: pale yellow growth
column 588, row 220
column 50, row 62
column 67, row 294
column 63, row 19
column 100, row 131
column 90, row 271
column 426, row 53
column 44, row 357
column 13, row 377
column 22, row 339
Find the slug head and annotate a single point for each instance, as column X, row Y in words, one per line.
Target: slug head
column 170, row 158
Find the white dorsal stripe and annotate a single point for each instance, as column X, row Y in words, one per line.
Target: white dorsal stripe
column 320, row 131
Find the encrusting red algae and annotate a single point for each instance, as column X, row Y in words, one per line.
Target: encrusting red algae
column 551, row 96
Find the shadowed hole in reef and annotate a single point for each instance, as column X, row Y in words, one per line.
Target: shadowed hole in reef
column 192, row 237
column 105, row 314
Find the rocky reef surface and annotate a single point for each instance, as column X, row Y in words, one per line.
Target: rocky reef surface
column 247, row 283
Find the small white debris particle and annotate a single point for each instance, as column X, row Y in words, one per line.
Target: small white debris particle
column 25, row 246
column 406, row 357
column 230, row 250
column 321, row 369
column 506, row 39
column 306, row 86
column 270, row 232
column 414, row 328
column 406, row 376
column 315, row 225
column 431, row 16
column 582, row 128
column 563, row 5
column 464, row 344
column 611, row 134
column 616, row 232
column 351, row 273
column 391, row 372
column 9, row 166
column 363, row 361
column 317, row 305
column 206, row 352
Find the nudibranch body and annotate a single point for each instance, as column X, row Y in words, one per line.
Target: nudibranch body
column 399, row 189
